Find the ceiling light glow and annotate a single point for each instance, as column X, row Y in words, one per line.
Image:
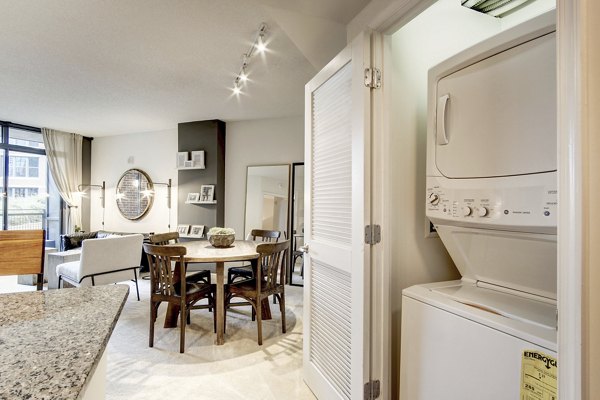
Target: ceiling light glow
column 261, row 46
column 258, row 46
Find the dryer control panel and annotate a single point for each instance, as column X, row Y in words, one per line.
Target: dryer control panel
column 495, row 203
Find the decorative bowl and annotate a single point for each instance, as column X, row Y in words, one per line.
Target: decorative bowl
column 221, row 240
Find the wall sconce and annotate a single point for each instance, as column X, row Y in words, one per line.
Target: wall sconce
column 103, row 187
column 168, row 185
column 258, row 46
column 103, row 195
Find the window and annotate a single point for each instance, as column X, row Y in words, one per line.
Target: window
column 23, row 167
column 28, row 197
column 33, row 167
column 22, row 192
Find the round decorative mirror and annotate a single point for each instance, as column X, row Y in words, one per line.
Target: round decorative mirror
column 134, row 194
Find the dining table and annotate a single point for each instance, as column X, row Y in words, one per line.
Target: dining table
column 201, row 251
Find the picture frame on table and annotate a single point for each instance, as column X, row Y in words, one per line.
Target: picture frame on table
column 183, row 229
column 182, row 157
column 207, row 193
column 192, row 197
column 197, row 231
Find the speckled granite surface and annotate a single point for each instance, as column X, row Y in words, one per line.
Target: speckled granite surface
column 51, row 341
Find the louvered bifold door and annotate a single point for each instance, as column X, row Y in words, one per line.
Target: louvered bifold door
column 337, row 188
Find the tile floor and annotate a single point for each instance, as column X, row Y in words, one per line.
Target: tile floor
column 240, row 369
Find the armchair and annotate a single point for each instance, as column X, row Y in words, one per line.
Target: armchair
column 108, row 260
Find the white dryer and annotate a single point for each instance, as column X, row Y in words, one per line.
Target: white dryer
column 492, row 196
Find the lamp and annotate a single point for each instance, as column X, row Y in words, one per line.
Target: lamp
column 103, row 187
column 103, row 196
column 168, row 185
column 258, row 45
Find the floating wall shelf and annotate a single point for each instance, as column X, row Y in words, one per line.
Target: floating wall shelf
column 201, row 202
column 183, row 168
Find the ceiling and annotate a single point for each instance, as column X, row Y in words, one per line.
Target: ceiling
column 107, row 67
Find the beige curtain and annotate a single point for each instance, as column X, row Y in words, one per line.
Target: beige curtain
column 64, row 152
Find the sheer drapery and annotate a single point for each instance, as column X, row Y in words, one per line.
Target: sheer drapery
column 64, row 152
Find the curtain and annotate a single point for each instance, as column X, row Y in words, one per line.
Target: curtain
column 64, row 153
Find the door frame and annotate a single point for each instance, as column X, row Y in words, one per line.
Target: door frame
column 293, row 239
column 573, row 44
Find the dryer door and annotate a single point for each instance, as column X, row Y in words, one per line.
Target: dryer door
column 497, row 117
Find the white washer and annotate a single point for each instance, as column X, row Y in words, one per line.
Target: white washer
column 455, row 346
column 492, row 196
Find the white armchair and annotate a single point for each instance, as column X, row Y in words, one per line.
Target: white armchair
column 108, row 260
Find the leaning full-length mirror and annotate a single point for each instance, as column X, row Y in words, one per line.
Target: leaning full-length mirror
column 296, row 275
column 134, row 191
column 267, row 198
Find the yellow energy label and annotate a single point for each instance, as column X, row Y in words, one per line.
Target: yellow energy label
column 539, row 374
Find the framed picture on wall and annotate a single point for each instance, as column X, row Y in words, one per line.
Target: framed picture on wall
column 183, row 229
column 207, row 193
column 197, row 231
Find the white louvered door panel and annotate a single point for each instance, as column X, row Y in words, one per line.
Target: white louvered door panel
column 336, row 298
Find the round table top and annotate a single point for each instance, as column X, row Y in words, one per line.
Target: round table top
column 203, row 251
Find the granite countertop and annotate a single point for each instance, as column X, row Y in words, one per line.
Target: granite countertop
column 51, row 341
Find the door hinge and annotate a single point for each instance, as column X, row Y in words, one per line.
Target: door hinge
column 372, row 390
column 373, row 78
column 372, row 234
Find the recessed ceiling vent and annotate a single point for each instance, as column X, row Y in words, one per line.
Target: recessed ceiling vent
column 495, row 8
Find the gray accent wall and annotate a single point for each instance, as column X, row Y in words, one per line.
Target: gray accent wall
column 210, row 137
column 86, row 172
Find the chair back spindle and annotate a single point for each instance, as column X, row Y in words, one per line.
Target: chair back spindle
column 160, row 259
column 272, row 257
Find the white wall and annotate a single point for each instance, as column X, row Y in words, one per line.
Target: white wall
column 152, row 152
column 439, row 32
column 257, row 142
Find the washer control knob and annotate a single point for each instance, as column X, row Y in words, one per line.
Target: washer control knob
column 434, row 199
column 482, row 211
column 467, row 211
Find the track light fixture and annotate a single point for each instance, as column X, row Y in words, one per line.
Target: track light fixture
column 258, row 46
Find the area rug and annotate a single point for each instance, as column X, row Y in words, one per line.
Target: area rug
column 240, row 369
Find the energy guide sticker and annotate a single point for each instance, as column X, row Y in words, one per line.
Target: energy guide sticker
column 538, row 376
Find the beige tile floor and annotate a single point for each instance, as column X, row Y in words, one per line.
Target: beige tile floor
column 240, row 369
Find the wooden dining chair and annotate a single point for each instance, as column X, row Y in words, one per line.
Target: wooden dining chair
column 22, row 253
column 165, row 286
column 245, row 271
column 269, row 281
column 162, row 239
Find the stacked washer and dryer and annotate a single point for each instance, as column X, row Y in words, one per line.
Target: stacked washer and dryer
column 492, row 196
